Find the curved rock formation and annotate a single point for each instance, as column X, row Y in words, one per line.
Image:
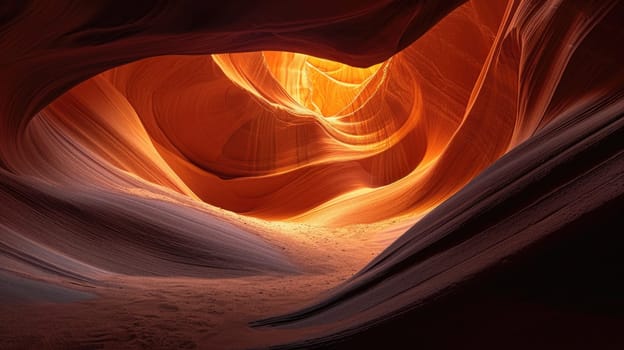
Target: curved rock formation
column 181, row 142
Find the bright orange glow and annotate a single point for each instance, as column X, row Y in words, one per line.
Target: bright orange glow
column 322, row 86
column 288, row 136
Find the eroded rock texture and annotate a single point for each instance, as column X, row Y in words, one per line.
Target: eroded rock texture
column 201, row 140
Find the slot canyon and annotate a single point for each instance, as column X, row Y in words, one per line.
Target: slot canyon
column 311, row 174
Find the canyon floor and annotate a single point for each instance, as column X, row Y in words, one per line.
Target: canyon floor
column 172, row 312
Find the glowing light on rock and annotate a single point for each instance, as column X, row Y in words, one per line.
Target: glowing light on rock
column 290, row 136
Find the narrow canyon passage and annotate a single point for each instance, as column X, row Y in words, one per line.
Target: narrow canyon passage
column 297, row 175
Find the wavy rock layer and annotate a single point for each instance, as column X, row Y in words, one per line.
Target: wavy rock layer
column 95, row 166
column 260, row 133
column 553, row 194
column 173, row 140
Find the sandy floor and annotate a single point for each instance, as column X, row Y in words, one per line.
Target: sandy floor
column 153, row 313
